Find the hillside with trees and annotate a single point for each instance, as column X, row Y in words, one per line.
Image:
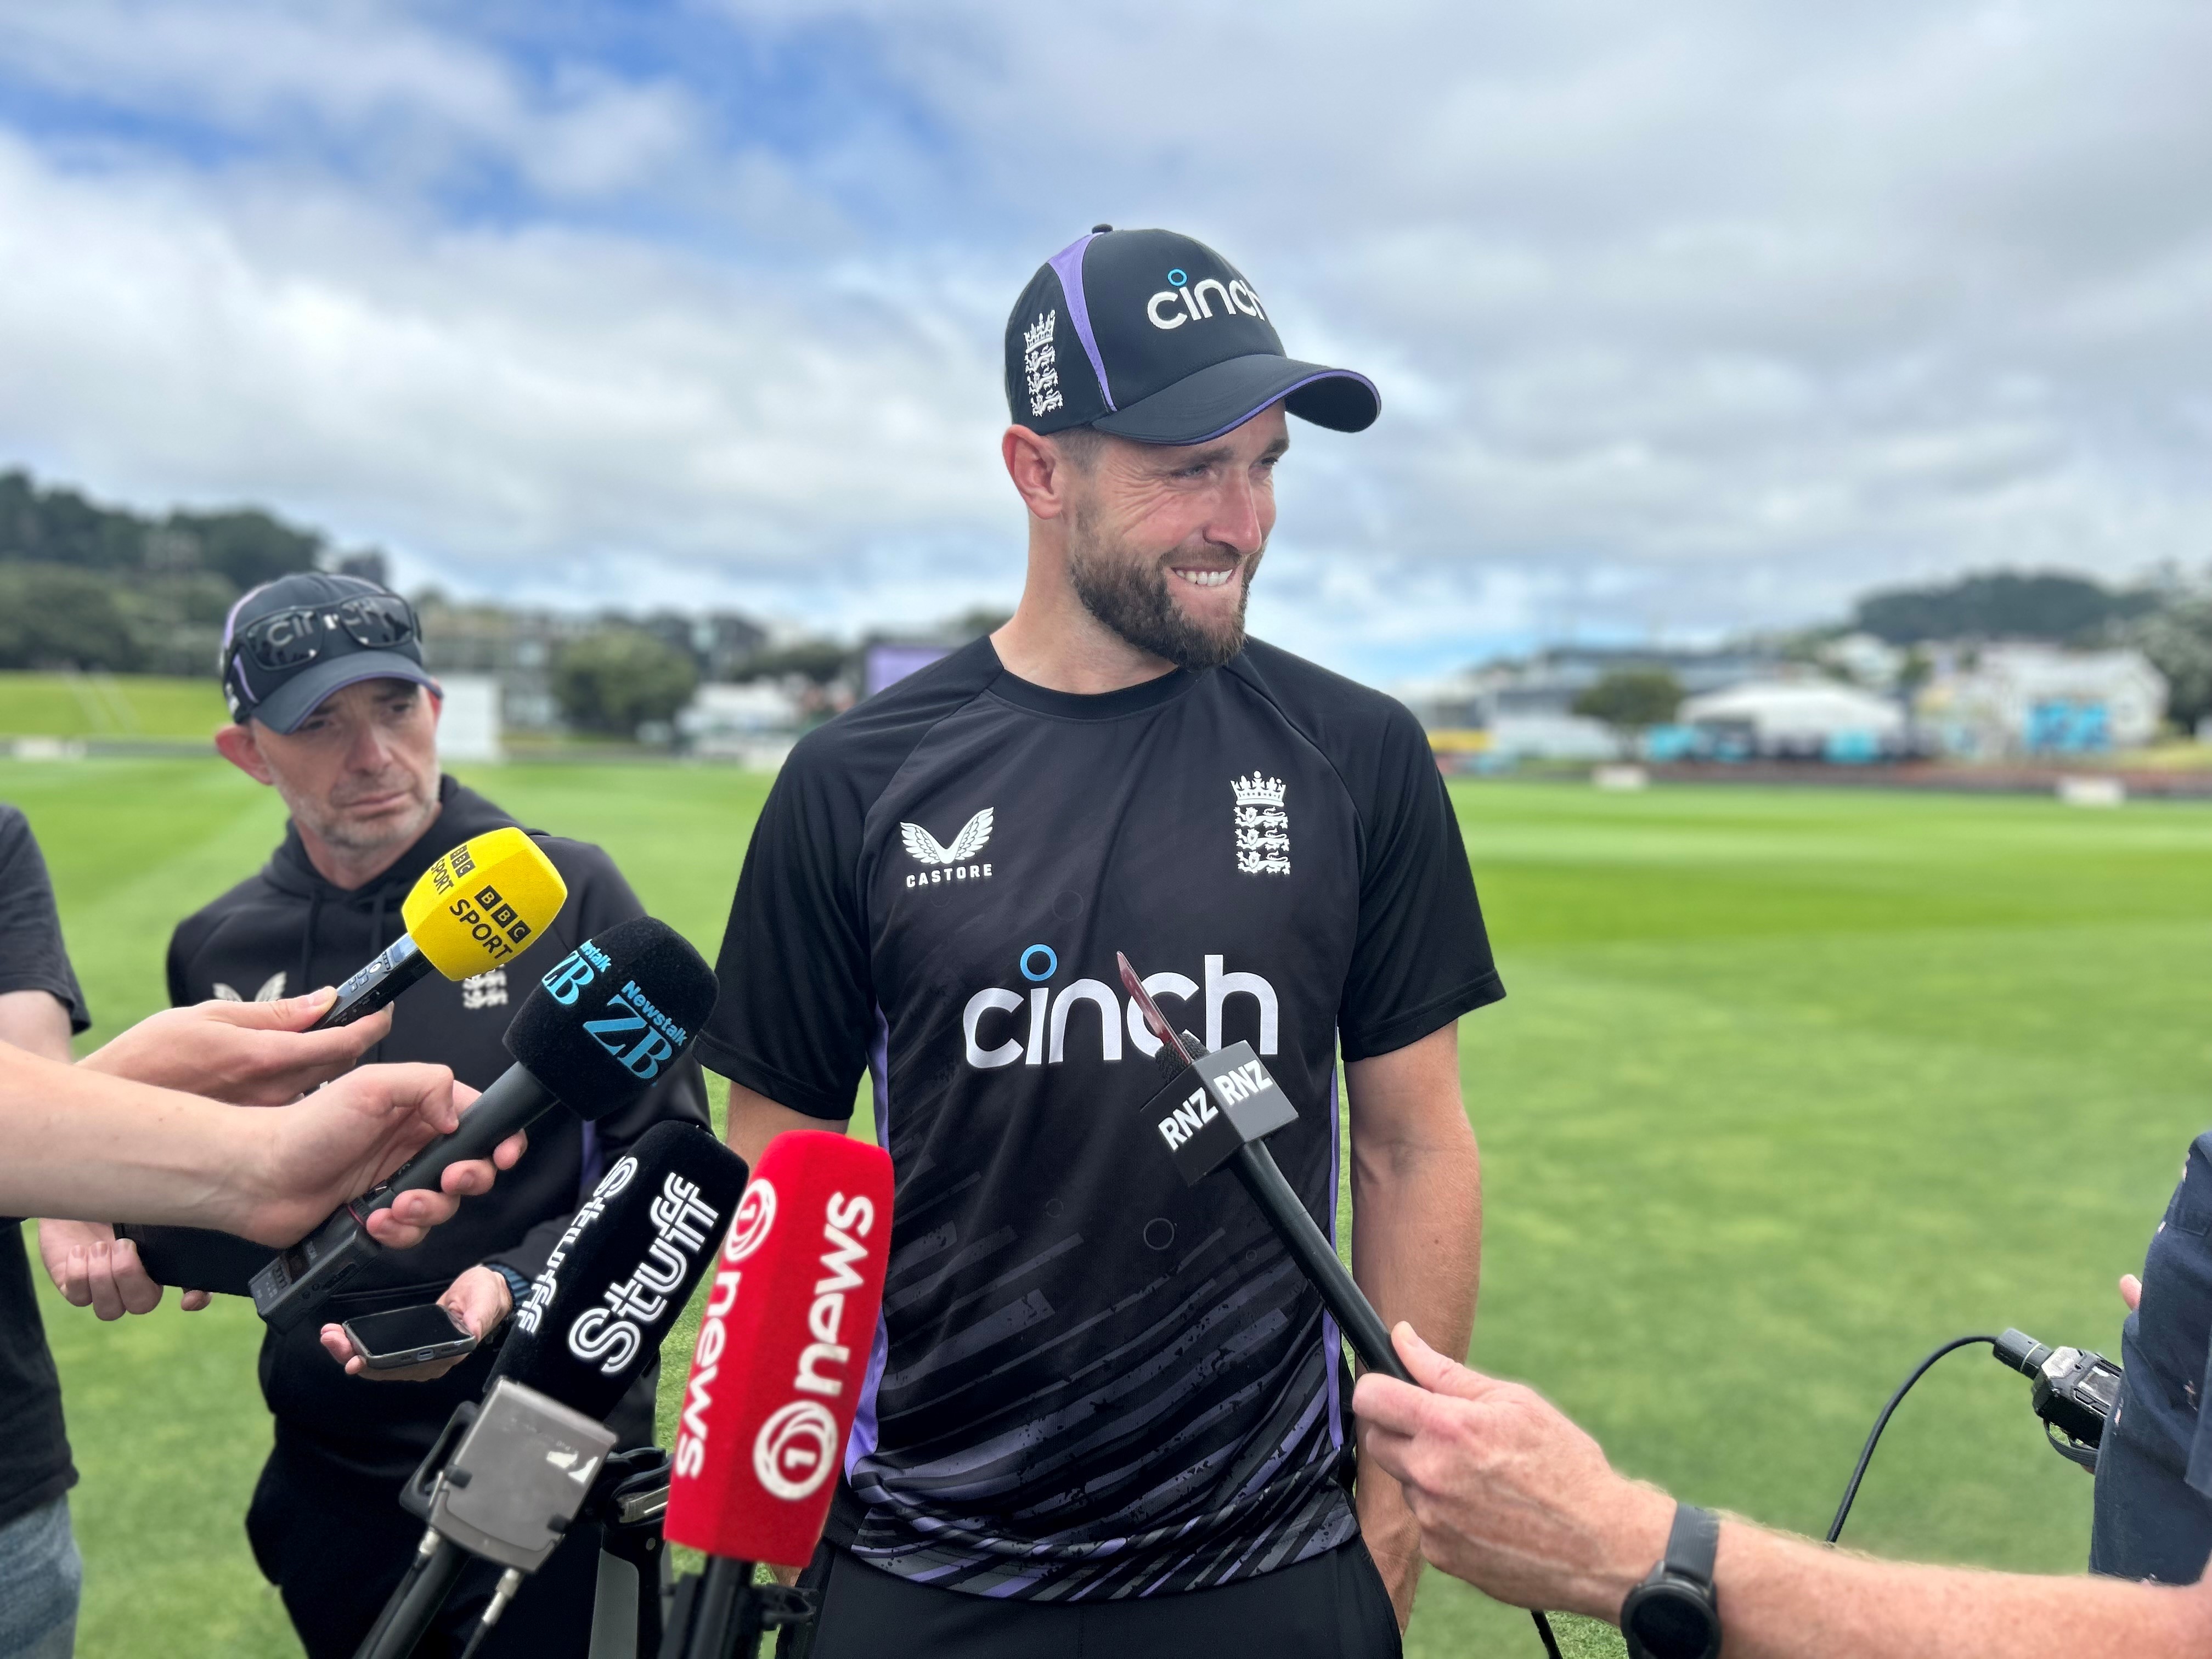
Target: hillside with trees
column 88, row 586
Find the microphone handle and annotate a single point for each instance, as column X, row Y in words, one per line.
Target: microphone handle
column 514, row 1101
column 296, row 1281
column 1316, row 1258
column 1356, row 1316
column 415, row 1604
column 398, row 966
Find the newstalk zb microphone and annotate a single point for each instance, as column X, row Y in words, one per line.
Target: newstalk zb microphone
column 523, row 1463
column 599, row 1030
column 477, row 908
column 777, row 1376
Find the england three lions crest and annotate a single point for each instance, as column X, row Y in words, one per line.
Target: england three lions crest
column 1263, row 828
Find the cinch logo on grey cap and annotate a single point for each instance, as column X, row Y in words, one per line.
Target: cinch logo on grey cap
column 1152, row 336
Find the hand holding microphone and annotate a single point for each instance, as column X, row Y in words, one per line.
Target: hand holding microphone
column 245, row 1053
column 477, row 908
column 597, row 1032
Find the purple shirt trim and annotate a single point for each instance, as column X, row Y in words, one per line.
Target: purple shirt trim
column 866, row 1431
column 1067, row 264
column 1332, row 1341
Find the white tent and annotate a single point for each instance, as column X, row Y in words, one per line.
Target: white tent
column 1795, row 713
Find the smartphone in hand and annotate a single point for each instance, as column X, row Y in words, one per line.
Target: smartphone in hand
column 408, row 1336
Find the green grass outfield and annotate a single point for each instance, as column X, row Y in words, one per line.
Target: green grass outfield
column 1789, row 1087
column 108, row 706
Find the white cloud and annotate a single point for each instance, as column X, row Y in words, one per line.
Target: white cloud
column 1685, row 317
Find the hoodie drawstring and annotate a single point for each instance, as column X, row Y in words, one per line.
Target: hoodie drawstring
column 307, row 944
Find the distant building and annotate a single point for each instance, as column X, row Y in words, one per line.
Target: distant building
column 754, row 724
column 1795, row 718
column 2019, row 700
column 1525, row 710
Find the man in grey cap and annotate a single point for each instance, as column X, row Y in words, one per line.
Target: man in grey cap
column 332, row 708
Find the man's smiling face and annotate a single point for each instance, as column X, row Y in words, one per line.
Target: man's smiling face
column 1163, row 541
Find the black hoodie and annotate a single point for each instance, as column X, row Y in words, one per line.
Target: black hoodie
column 287, row 930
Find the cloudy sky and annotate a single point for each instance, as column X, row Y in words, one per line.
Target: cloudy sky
column 1687, row 318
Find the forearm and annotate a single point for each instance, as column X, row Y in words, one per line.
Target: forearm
column 86, row 1147
column 1787, row 1598
column 754, row 1119
column 1417, row 1253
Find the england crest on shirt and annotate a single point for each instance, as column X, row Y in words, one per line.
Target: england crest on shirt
column 1263, row 827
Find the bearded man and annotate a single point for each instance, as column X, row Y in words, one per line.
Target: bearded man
column 1103, row 1412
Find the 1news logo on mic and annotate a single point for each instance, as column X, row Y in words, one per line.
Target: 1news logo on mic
column 792, row 1306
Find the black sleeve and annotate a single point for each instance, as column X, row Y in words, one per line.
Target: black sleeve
column 603, row 897
column 32, row 955
column 798, row 1007
column 1422, row 958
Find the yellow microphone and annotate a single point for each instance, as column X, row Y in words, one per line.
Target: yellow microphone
column 477, row 908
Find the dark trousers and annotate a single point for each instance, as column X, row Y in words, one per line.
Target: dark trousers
column 1333, row 1606
column 335, row 1544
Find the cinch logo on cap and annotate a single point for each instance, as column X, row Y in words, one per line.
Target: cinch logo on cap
column 1184, row 301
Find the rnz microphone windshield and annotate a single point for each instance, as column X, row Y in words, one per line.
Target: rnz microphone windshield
column 477, row 908
column 622, row 1274
column 783, row 1351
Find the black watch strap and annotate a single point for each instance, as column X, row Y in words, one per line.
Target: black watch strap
column 1692, row 1542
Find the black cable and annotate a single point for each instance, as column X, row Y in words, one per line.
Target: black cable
column 1866, row 1454
column 1544, row 1630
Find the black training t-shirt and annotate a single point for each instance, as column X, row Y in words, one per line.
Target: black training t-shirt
column 1091, row 1380
column 34, row 1454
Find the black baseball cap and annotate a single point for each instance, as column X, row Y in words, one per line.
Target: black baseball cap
column 1152, row 336
column 289, row 644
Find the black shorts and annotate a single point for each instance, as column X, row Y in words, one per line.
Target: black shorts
column 1333, row 1606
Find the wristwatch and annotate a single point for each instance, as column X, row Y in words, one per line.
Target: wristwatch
column 1674, row 1613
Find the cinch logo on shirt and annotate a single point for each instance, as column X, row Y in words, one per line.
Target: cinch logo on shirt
column 996, row 1034
column 942, row 863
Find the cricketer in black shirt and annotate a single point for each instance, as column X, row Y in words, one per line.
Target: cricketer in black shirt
column 1090, row 1380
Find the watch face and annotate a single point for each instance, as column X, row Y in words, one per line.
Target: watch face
column 1671, row 1621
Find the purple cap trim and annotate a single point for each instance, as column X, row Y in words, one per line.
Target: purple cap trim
column 1067, row 265
column 1326, row 374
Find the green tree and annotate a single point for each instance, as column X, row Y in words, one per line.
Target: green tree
column 52, row 617
column 2178, row 639
column 1632, row 701
column 614, row 680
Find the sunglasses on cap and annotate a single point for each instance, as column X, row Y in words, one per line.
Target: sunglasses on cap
column 285, row 639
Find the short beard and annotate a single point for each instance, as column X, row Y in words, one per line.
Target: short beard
column 1131, row 598
column 364, row 839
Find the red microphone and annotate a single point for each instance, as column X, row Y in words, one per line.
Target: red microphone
column 776, row 1377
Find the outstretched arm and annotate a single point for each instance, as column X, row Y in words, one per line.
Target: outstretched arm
column 1513, row 1497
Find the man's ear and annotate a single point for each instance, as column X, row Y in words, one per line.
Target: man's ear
column 236, row 743
column 1039, row 471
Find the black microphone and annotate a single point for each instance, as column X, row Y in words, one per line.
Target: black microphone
column 597, row 1032
column 508, row 1476
column 1217, row 1110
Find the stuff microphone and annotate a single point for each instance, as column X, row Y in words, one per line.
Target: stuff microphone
column 776, row 1379
column 508, row 1477
column 601, row 1027
column 1216, row 1111
column 477, row 908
